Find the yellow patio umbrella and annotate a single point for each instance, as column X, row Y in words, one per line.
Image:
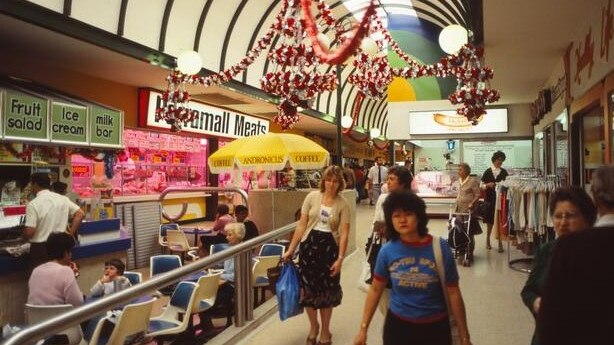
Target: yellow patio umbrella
column 269, row 151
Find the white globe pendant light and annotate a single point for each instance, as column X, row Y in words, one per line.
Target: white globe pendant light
column 189, row 62
column 369, row 46
column 374, row 132
column 346, row 121
column 452, row 38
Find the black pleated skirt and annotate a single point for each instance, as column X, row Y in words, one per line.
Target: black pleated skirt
column 316, row 256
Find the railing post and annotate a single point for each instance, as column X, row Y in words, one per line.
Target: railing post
column 249, row 298
column 241, row 284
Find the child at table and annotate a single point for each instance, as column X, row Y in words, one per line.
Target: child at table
column 113, row 279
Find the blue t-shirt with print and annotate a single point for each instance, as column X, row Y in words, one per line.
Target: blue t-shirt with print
column 416, row 291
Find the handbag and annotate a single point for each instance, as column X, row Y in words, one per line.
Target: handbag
column 273, row 274
column 482, row 209
column 456, row 340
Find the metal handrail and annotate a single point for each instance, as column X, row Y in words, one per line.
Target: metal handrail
column 184, row 205
column 243, row 310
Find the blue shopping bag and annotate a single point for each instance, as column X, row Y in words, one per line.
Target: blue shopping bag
column 288, row 291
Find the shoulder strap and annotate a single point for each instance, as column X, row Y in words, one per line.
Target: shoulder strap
column 440, row 268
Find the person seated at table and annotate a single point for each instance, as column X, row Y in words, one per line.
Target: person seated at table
column 218, row 234
column 53, row 282
column 224, row 301
column 113, row 279
column 251, row 230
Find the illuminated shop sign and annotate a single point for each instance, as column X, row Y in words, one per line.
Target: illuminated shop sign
column 448, row 122
column 32, row 117
column 207, row 120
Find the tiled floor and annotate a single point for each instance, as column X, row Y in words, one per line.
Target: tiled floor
column 490, row 288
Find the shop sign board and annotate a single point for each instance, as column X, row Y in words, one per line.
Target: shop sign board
column 25, row 116
column 68, row 123
column 448, row 122
column 208, row 119
column 106, row 126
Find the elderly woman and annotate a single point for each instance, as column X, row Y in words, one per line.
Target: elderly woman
column 417, row 311
column 224, row 303
column 490, row 178
column 468, row 195
column 323, row 233
column 571, row 209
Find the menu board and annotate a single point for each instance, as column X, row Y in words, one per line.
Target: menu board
column 478, row 154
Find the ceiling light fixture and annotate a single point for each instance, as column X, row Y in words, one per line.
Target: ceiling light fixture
column 374, row 132
column 452, row 38
column 347, row 121
column 189, row 62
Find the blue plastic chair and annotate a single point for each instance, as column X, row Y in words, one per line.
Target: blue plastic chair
column 175, row 318
column 162, row 234
column 159, row 264
column 272, row 249
column 133, row 277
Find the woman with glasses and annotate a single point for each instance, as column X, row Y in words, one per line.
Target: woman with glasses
column 571, row 209
column 323, row 231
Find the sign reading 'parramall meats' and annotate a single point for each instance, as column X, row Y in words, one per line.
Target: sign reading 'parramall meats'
column 207, row 119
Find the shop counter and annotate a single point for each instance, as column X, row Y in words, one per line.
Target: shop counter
column 90, row 258
column 271, row 209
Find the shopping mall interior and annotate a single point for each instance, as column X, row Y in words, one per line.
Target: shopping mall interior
column 133, row 106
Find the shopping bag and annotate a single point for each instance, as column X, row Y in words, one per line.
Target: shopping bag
column 364, row 280
column 458, row 237
column 288, row 291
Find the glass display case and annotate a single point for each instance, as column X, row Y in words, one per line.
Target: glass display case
column 437, row 183
column 150, row 163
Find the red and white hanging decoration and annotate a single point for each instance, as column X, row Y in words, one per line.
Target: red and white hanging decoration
column 296, row 77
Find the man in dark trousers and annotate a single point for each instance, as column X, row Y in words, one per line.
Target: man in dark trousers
column 577, row 305
column 47, row 213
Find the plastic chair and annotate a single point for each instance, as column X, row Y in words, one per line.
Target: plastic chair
column 38, row 313
column 216, row 248
column 193, row 254
column 260, row 280
column 269, row 249
column 207, row 293
column 176, row 315
column 162, row 234
column 134, row 277
column 178, row 242
column 133, row 320
column 159, row 264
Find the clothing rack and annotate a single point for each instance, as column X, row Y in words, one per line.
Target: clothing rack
column 533, row 223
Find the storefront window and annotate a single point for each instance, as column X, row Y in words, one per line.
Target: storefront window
column 478, row 154
column 592, row 143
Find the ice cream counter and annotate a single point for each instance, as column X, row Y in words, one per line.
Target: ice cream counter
column 89, row 256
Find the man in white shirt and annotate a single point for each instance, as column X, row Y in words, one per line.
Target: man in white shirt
column 47, row 213
column 378, row 174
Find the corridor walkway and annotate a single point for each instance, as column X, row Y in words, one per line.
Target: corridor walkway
column 491, row 291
